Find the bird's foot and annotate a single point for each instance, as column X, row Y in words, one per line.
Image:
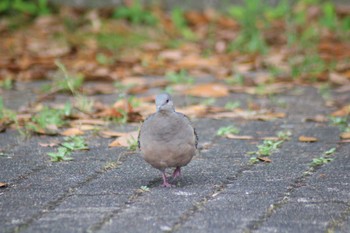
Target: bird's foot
column 165, row 182
column 177, row 172
column 167, row 185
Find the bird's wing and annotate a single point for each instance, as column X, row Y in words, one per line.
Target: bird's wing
column 190, row 123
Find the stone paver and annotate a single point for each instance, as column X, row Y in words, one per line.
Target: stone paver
column 220, row 191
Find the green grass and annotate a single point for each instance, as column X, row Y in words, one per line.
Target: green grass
column 181, row 77
column 48, row 120
column 178, row 19
column 136, row 14
column 75, row 143
column 115, row 41
column 225, row 130
column 343, row 123
column 66, row 148
column 268, row 147
column 324, row 159
column 64, row 81
column 17, row 7
column 252, row 20
column 7, row 83
column 60, row 155
column 231, row 105
column 132, row 144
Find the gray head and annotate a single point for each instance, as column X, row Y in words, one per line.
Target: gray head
column 164, row 102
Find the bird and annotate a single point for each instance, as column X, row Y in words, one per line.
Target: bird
column 167, row 138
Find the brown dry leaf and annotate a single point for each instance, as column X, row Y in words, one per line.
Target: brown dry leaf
column 125, row 139
column 208, row 90
column 265, row 159
column 171, row 55
column 344, row 111
column 345, row 135
column 50, row 144
column 247, row 115
column 270, row 116
column 110, row 134
column 239, row 137
column 339, row 79
column 88, row 122
column 191, row 62
column 3, row 185
column 317, row 118
column 72, row 132
column 307, row 139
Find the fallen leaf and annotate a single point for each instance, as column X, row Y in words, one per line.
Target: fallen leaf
column 125, row 139
column 3, row 185
column 208, row 90
column 270, row 116
column 307, row 139
column 344, row 111
column 345, row 135
column 110, row 134
column 339, row 79
column 171, row 55
column 239, row 137
column 72, row 132
column 265, row 159
column 317, row 118
column 89, row 122
column 50, row 144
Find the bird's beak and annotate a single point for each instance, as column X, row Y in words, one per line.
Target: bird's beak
column 158, row 107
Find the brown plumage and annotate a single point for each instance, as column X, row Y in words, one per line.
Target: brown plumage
column 167, row 138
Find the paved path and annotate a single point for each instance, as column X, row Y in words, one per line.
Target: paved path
column 220, row 191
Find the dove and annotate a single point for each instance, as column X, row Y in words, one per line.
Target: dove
column 167, row 138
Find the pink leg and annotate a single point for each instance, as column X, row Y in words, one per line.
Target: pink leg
column 165, row 182
column 177, row 172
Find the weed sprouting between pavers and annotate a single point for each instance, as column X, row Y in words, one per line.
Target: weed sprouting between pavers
column 268, row 147
column 69, row 145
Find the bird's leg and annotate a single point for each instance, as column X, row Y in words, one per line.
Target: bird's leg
column 165, row 182
column 177, row 172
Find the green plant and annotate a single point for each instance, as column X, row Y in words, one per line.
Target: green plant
column 115, row 41
column 48, row 117
column 251, row 18
column 180, row 23
column 208, row 101
column 75, row 143
column 69, row 83
column 7, row 83
column 284, row 135
column 330, row 151
column 69, row 145
column 60, row 155
column 268, row 147
column 103, row 59
column 320, row 161
column 341, row 122
column 329, row 17
column 181, row 77
column 84, row 103
column 6, row 114
column 33, row 8
column 237, row 79
column 144, row 189
column 325, row 91
column 135, row 14
column 132, row 144
column 232, row 105
column 225, row 130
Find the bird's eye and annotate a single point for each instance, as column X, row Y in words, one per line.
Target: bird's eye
column 167, row 101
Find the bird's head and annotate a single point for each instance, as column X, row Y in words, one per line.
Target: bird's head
column 164, row 102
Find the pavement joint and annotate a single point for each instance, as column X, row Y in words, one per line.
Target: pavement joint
column 295, row 185
column 217, row 189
